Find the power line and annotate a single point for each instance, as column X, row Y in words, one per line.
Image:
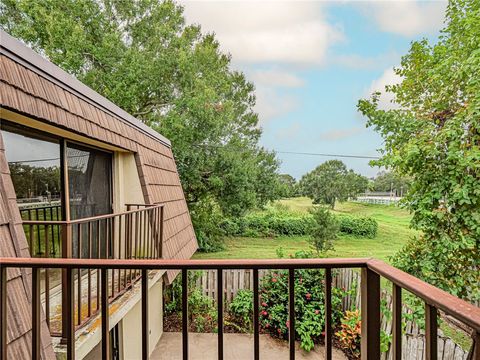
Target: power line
column 329, row 155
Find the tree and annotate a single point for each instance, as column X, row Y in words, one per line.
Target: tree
column 325, row 230
column 288, row 186
column 391, row 181
column 435, row 139
column 142, row 56
column 331, row 181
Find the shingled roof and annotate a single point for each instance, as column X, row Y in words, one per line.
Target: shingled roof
column 34, row 87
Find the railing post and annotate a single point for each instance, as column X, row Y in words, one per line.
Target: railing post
column 256, row 317
column 291, row 313
column 476, row 346
column 68, row 328
column 328, row 314
column 145, row 327
column 370, row 296
column 220, row 312
column 3, row 312
column 162, row 217
column 184, row 314
column 105, row 314
column 35, row 314
column 431, row 332
column 397, row 322
column 66, row 235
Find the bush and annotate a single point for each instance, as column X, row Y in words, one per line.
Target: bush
column 325, row 230
column 350, row 332
column 309, row 304
column 268, row 223
column 206, row 215
column 360, row 226
column 241, row 309
column 202, row 312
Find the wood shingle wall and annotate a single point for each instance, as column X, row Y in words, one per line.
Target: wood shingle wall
column 14, row 244
column 34, row 87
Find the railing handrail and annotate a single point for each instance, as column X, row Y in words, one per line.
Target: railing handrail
column 91, row 218
column 456, row 307
column 460, row 309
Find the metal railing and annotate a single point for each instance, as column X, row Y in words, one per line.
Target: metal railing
column 371, row 270
column 133, row 234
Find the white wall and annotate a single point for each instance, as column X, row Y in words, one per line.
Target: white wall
column 126, row 182
column 130, row 326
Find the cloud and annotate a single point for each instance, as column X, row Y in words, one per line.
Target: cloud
column 339, row 134
column 407, row 18
column 386, row 98
column 271, row 103
column 288, row 32
column 288, row 132
column 276, row 77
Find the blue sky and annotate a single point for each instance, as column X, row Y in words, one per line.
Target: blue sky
column 311, row 61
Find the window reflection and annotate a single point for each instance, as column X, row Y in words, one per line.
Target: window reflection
column 34, row 163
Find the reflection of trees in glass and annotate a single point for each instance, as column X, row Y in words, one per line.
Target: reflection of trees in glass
column 31, row 181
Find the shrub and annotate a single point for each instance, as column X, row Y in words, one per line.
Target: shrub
column 360, row 226
column 349, row 335
column 201, row 309
column 241, row 309
column 350, row 332
column 309, row 304
column 325, row 230
column 271, row 222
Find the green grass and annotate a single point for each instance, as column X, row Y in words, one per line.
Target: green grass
column 393, row 233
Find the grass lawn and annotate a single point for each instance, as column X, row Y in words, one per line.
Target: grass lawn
column 393, row 233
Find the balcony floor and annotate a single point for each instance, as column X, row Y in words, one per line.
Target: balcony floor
column 236, row 347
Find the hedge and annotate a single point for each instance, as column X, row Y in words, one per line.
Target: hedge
column 272, row 222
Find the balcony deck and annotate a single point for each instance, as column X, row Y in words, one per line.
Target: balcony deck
column 236, row 347
column 437, row 303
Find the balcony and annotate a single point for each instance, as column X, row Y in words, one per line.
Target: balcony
column 436, row 301
column 134, row 234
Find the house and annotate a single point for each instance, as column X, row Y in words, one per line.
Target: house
column 71, row 162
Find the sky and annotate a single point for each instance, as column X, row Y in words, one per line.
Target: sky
column 311, row 61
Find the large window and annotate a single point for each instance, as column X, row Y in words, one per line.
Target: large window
column 89, row 179
column 34, row 162
column 37, row 169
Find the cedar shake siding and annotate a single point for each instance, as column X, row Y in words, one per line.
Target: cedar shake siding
column 33, row 87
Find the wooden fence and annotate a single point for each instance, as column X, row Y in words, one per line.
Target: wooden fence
column 413, row 341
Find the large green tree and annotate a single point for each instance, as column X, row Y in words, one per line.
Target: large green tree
column 435, row 139
column 143, row 57
column 331, row 182
column 391, row 181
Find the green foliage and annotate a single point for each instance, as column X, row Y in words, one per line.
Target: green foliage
column 206, row 215
column 362, row 226
column 325, row 230
column 350, row 333
column 434, row 138
column 391, row 181
column 288, row 186
column 201, row 309
column 142, row 56
column 271, row 222
column 309, row 304
column 241, row 308
column 331, row 182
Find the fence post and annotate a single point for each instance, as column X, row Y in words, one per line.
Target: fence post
column 370, row 304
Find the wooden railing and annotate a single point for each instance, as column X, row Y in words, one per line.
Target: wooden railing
column 371, row 270
column 133, row 234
